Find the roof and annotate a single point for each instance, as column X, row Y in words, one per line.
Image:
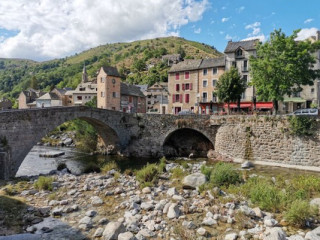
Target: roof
column 246, row 45
column 111, row 71
column 188, row 64
column 87, row 87
column 61, row 91
column 130, row 90
column 143, row 87
column 49, row 96
column 213, row 62
column 171, row 56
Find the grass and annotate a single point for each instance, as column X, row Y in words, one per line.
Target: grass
column 299, row 212
column 109, row 166
column 44, row 183
column 178, row 173
column 148, row 175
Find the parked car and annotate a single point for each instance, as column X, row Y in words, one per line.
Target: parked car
column 305, row 112
column 185, row 112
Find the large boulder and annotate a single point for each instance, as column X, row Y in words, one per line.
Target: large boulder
column 193, row 181
column 313, row 235
column 112, row 230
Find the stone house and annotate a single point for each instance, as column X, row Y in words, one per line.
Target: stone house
column 157, row 98
column 27, row 98
column 5, row 104
column 191, row 84
column 171, row 59
column 114, row 95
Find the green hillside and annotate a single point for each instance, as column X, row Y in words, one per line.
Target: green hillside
column 130, row 58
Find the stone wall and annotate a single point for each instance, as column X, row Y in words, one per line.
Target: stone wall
column 265, row 140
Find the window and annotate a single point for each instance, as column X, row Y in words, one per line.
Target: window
column 312, row 90
column 187, row 98
column 243, row 95
column 214, row 98
column 177, row 76
column 214, row 71
column 239, row 53
column 79, row 97
column 245, row 78
column 296, row 94
column 205, row 72
column 186, row 75
column 187, row 86
column 204, row 97
column 177, row 87
column 103, row 79
column 233, row 64
column 214, row 82
column 114, row 94
column 176, row 98
column 205, row 83
column 102, row 94
column 82, row 88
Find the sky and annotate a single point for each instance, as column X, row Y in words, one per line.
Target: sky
column 47, row 29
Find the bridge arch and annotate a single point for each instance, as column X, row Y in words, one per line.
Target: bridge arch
column 182, row 142
column 22, row 129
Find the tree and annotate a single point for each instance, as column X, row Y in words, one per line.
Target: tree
column 230, row 87
column 181, row 52
column 282, row 66
column 34, row 83
column 92, row 103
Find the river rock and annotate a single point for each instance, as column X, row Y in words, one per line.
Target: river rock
column 209, row 221
column 91, row 213
column 24, row 236
column 98, row 232
column 172, row 191
column 231, row 236
column 189, row 225
column 68, row 141
column 147, row 206
column 112, row 230
column 146, row 190
column 315, row 202
column 295, row 237
column 269, row 222
column 247, row 211
column 193, row 181
column 247, row 164
column 126, row 236
column 202, row 231
column 313, row 235
column 276, row 233
column 96, row 201
column 173, row 211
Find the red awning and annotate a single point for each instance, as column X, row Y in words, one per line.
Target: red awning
column 242, row 105
column 264, row 105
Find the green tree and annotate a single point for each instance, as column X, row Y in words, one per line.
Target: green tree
column 230, row 87
column 282, row 66
column 92, row 103
column 181, row 52
column 34, row 83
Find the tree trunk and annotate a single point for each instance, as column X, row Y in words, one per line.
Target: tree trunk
column 228, row 108
column 238, row 104
column 275, row 107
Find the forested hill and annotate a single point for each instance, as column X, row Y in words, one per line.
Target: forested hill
column 130, row 58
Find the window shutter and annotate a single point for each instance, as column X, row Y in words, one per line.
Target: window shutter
column 190, row 86
column 177, row 76
column 181, row 98
column 187, row 98
column 183, row 87
column 173, row 98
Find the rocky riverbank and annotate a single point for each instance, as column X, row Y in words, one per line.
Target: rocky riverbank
column 114, row 206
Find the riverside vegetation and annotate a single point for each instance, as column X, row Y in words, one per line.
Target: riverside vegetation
column 165, row 200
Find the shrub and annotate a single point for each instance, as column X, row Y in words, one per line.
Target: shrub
column 185, row 165
column 224, row 174
column 162, row 165
column 206, row 171
column 299, row 212
column 44, row 183
column 109, row 166
column 177, row 173
column 302, row 125
column 148, row 175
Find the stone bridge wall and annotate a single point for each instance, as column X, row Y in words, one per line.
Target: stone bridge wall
column 266, row 141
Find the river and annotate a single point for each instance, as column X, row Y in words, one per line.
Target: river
column 76, row 161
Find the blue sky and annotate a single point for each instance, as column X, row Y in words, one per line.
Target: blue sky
column 225, row 20
column 46, row 29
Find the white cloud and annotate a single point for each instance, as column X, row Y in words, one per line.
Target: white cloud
column 228, row 37
column 309, row 20
column 253, row 25
column 305, row 33
column 261, row 38
column 197, row 30
column 225, row 19
column 221, row 32
column 51, row 29
column 224, row 8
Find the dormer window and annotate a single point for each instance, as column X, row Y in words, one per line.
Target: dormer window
column 239, row 53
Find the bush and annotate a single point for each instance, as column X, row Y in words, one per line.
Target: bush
column 148, row 175
column 299, row 212
column 206, row 171
column 302, row 125
column 162, row 165
column 109, row 166
column 177, row 173
column 44, row 183
column 224, row 174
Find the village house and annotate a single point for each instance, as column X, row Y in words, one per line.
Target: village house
column 171, row 59
column 115, row 95
column 191, row 84
column 5, row 104
column 27, row 98
column 54, row 98
column 157, row 98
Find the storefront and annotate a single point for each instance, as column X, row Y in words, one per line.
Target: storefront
column 211, row 108
column 248, row 107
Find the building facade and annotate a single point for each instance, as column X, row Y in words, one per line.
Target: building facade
column 114, row 95
column 157, row 98
column 191, row 84
column 27, row 98
column 5, row 104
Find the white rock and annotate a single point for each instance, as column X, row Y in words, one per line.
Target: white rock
column 126, row 236
column 313, row 235
column 247, row 211
column 91, row 213
column 316, row 202
column 146, row 233
column 85, row 220
column 295, row 237
column 258, row 212
column 173, row 211
column 147, row 206
column 96, row 201
column 247, row 164
column 231, row 236
column 201, row 231
column 146, row 190
column 172, row 191
column 98, row 232
column 269, row 222
column 275, row 233
column 209, row 221
column 189, row 224
column 193, row 181
column 112, row 230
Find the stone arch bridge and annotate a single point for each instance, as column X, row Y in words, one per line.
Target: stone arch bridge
column 143, row 135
